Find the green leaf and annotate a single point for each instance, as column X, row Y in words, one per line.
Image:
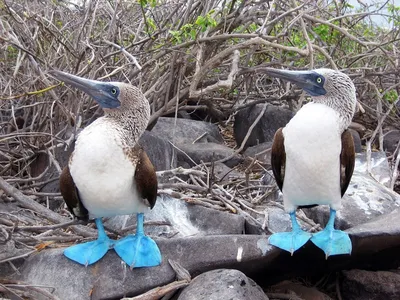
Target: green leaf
column 193, row 34
column 142, row 3
column 391, row 96
column 153, row 3
column 200, row 21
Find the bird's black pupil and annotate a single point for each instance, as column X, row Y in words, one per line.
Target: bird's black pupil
column 114, row 91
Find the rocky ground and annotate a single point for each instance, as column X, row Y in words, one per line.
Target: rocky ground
column 216, row 208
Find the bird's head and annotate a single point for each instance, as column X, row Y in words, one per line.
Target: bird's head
column 113, row 97
column 330, row 87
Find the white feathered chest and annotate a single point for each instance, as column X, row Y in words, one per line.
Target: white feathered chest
column 102, row 172
column 312, row 142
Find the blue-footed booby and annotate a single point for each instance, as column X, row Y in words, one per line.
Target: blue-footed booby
column 312, row 157
column 109, row 174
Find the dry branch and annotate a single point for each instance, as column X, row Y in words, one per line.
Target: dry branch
column 158, row 292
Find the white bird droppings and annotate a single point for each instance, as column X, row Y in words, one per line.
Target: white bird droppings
column 239, row 254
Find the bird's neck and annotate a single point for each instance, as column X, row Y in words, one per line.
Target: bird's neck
column 132, row 123
column 343, row 107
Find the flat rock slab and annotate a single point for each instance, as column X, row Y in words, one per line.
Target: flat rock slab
column 110, row 278
column 373, row 243
column 223, row 284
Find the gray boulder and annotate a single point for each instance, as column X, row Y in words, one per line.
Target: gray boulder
column 390, row 140
column 357, row 140
column 161, row 153
column 222, row 284
column 207, row 152
column 273, row 118
column 183, row 220
column 186, row 131
column 224, row 174
column 278, row 220
column 262, row 152
column 369, row 285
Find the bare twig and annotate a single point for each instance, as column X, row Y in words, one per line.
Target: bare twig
column 158, row 292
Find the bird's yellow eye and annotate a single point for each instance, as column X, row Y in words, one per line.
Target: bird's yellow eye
column 319, row 80
column 113, row 91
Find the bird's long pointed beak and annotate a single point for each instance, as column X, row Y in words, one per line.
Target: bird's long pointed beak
column 307, row 80
column 106, row 94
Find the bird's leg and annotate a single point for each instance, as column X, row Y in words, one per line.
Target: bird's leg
column 138, row 250
column 290, row 241
column 332, row 241
column 90, row 252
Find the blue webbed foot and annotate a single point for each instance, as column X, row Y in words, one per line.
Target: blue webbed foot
column 332, row 241
column 290, row 241
column 138, row 250
column 90, row 252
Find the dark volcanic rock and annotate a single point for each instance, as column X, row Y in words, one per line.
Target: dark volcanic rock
column 357, row 140
column 160, row 151
column 207, row 152
column 273, row 118
column 186, row 131
column 262, row 152
column 380, row 233
column 368, row 285
column 225, row 174
column 390, row 140
column 222, row 284
column 304, row 292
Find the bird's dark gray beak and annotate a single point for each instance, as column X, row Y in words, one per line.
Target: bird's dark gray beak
column 106, row 94
column 310, row 81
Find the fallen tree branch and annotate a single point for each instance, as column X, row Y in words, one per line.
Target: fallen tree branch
column 158, row 292
column 45, row 212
